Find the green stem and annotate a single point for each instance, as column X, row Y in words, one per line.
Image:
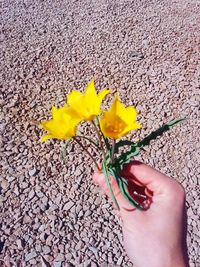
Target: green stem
column 99, row 137
column 105, row 170
column 89, row 154
column 113, row 151
column 104, row 139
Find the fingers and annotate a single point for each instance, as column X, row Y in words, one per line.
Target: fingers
column 155, row 181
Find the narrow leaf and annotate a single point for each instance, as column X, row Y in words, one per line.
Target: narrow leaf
column 123, row 186
column 127, row 156
column 159, row 132
column 135, row 149
column 109, row 185
column 122, row 143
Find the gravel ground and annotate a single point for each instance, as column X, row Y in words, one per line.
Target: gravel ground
column 51, row 213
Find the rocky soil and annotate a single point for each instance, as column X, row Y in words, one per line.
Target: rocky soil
column 50, row 212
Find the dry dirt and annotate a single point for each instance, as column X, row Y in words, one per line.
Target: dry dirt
column 51, row 213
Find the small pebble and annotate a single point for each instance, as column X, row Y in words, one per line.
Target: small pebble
column 30, row 256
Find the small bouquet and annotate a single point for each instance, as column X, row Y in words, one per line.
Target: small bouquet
column 110, row 126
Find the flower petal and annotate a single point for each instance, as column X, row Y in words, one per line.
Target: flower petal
column 90, row 91
column 118, row 120
column 54, row 111
column 74, row 99
column 129, row 114
column 102, row 94
column 46, row 137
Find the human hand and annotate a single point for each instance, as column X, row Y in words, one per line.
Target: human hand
column 155, row 237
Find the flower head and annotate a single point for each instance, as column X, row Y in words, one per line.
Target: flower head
column 118, row 120
column 86, row 106
column 61, row 126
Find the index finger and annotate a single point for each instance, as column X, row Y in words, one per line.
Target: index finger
column 147, row 176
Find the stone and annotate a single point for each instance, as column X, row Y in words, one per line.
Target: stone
column 68, row 264
column 60, row 257
column 31, row 194
column 57, row 264
column 97, row 201
column 38, row 248
column 44, row 262
column 30, row 256
column 68, row 205
column 68, row 256
column 120, row 260
column 136, row 55
column 10, row 178
column 46, row 249
column 93, row 249
column 24, row 185
column 53, row 207
column 32, row 172
column 79, row 245
column 93, row 264
column 27, row 219
column 4, row 184
column 33, row 262
column 16, row 190
column 20, row 244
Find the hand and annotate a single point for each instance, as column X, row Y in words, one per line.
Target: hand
column 155, row 237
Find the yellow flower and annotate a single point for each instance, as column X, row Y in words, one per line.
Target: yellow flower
column 118, row 120
column 86, row 106
column 61, row 126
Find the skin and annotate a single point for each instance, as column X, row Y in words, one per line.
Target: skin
column 155, row 237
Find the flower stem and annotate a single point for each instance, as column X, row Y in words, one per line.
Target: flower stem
column 89, row 154
column 113, row 151
column 104, row 138
column 99, row 137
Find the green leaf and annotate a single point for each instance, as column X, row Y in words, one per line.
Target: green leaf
column 106, row 174
column 123, row 186
column 122, row 143
column 108, row 158
column 106, row 142
column 159, row 132
column 126, row 157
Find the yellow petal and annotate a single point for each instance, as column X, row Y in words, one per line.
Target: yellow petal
column 118, row 120
column 112, row 126
column 129, row 114
column 50, row 125
column 90, row 92
column 54, row 111
column 74, row 114
column 85, row 106
column 45, row 125
column 90, row 101
column 74, row 99
column 102, row 94
column 62, row 126
column 137, row 125
column 130, row 128
column 46, row 137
